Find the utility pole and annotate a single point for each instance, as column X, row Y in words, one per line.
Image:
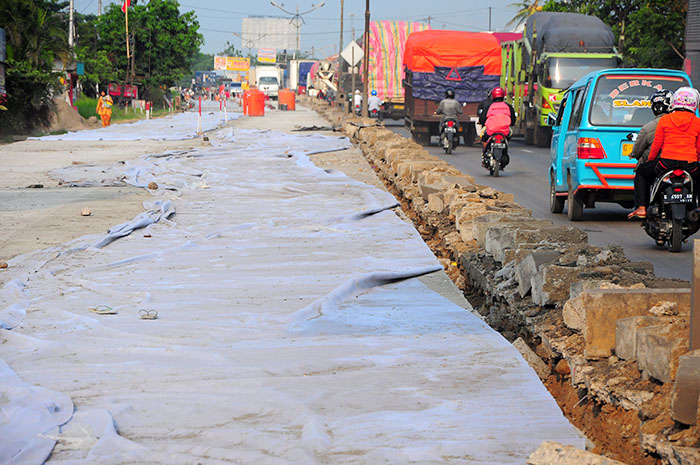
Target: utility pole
column 99, row 7
column 365, row 65
column 70, row 25
column 428, row 20
column 352, row 90
column 338, row 97
column 298, row 28
column 490, row 8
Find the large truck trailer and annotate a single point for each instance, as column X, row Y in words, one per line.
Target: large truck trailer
column 468, row 62
column 387, row 41
column 556, row 50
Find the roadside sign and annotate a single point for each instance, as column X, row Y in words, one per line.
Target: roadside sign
column 352, row 53
column 267, row 55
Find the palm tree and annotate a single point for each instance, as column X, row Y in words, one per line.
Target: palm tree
column 525, row 9
column 34, row 34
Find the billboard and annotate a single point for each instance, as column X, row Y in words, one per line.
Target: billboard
column 267, row 55
column 268, row 32
column 231, row 63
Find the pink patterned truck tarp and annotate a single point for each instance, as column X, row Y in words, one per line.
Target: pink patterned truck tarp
column 387, row 40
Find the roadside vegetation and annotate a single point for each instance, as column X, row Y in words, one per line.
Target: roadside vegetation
column 164, row 43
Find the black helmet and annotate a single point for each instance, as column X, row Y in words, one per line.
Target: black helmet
column 450, row 93
column 661, row 101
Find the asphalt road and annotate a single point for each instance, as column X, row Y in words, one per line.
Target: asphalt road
column 526, row 178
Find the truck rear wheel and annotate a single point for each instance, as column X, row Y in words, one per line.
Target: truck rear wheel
column 469, row 134
column 542, row 136
column 529, row 136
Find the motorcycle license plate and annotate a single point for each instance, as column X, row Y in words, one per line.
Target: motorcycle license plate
column 450, row 129
column 499, row 146
column 678, row 198
column 627, row 149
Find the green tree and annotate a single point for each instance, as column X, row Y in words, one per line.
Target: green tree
column 163, row 41
column 650, row 34
column 525, row 9
column 36, row 39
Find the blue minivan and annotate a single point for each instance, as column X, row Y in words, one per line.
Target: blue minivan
column 593, row 133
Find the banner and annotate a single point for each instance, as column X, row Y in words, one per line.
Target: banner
column 237, row 64
column 267, row 55
column 219, row 63
column 231, row 63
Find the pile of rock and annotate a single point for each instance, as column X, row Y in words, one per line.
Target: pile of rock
column 585, row 310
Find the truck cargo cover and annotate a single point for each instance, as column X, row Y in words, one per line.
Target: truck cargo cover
column 454, row 49
column 386, row 48
column 569, row 32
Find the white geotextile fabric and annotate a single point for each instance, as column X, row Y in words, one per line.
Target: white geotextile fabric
column 174, row 127
column 286, row 332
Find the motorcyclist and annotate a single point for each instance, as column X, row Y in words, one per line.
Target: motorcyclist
column 677, row 139
column 375, row 103
column 449, row 108
column 357, row 100
column 661, row 103
column 497, row 117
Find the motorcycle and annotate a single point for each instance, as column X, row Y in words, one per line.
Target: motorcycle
column 358, row 110
column 672, row 215
column 448, row 137
column 496, row 156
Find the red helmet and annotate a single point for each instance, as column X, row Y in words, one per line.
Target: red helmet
column 498, row 93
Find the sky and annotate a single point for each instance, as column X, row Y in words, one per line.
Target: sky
column 220, row 19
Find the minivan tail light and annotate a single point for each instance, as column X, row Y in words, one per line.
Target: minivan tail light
column 545, row 104
column 590, row 148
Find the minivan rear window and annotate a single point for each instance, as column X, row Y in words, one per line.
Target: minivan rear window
column 623, row 99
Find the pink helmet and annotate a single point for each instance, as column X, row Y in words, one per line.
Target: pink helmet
column 685, row 98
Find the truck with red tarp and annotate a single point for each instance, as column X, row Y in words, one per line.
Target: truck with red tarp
column 387, row 41
column 435, row 60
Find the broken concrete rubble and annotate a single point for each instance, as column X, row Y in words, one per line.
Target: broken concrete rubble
column 686, row 391
column 553, row 453
column 459, row 224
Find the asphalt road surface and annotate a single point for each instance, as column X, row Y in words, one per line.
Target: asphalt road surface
column 526, row 178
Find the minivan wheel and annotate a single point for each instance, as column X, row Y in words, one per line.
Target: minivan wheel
column 575, row 206
column 556, row 203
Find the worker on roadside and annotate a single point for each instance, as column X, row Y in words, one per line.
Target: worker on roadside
column 374, row 105
column 676, row 145
column 104, row 108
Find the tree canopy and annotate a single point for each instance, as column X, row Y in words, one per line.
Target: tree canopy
column 164, row 43
column 650, row 34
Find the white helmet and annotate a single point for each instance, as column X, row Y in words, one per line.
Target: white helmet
column 357, row 91
column 685, row 98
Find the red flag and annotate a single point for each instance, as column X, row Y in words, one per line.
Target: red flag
column 125, row 5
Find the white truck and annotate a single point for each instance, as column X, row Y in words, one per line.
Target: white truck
column 267, row 79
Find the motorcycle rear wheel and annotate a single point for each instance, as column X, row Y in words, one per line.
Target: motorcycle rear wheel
column 676, row 242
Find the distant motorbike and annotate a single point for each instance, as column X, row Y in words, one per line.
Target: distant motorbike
column 358, row 110
column 672, row 215
column 496, row 157
column 448, row 137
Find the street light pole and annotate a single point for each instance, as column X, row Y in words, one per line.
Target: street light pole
column 297, row 17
